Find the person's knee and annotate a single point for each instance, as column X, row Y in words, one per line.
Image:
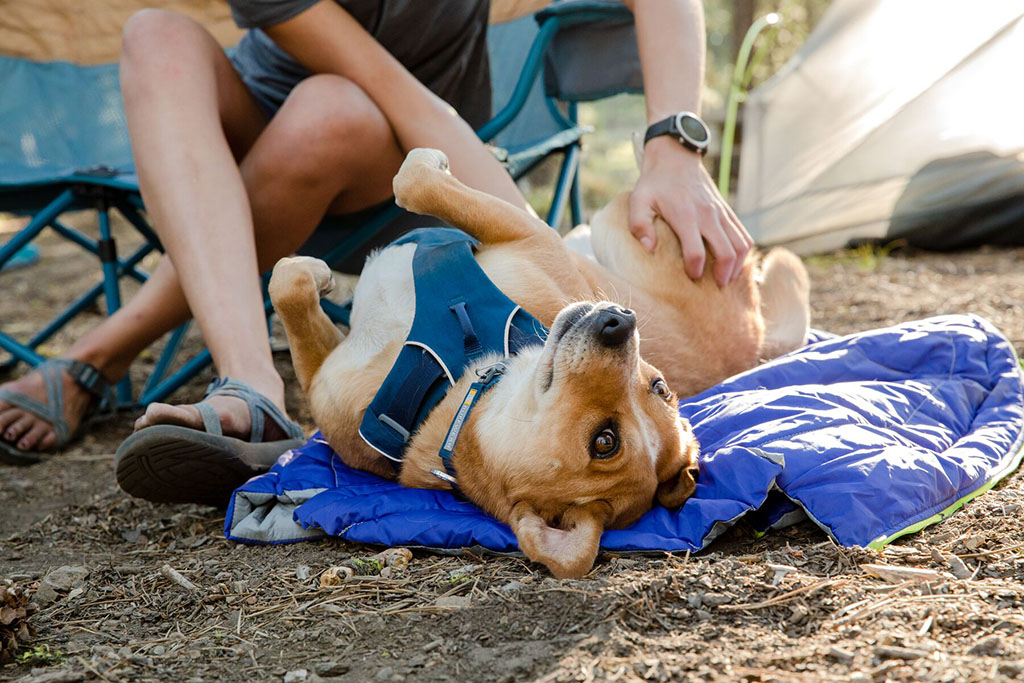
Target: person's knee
column 328, row 121
column 156, row 39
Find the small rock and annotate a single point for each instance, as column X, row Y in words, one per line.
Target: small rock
column 296, row 676
column 385, row 674
column 512, row 586
column 159, row 651
column 703, row 614
column 125, row 652
column 1011, row 669
column 716, row 599
column 332, row 669
column 65, row 578
column 45, row 595
column 992, row 645
column 456, row 601
column 302, row 573
column 859, row 677
column 895, row 652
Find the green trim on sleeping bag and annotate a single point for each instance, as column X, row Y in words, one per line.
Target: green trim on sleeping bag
column 1011, row 466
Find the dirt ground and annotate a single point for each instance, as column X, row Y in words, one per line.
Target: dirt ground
column 155, row 592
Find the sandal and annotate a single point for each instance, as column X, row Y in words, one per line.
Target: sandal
column 52, row 412
column 174, row 464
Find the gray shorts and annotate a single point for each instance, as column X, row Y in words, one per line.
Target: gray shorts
column 442, row 43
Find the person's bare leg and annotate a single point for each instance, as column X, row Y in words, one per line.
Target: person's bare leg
column 328, row 148
column 160, row 305
column 195, row 195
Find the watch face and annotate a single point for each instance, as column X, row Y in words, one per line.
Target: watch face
column 693, row 129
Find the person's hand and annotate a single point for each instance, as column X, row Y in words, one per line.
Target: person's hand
column 675, row 186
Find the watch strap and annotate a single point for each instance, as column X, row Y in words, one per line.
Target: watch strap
column 668, row 126
column 663, row 127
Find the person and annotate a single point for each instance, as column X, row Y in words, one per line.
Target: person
column 240, row 158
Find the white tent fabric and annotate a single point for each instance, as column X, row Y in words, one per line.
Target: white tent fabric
column 894, row 111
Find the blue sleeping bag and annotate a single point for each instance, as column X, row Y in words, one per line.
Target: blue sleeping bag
column 872, row 436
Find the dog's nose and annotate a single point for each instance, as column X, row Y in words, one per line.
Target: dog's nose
column 614, row 326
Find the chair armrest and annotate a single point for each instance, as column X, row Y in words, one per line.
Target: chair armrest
column 574, row 12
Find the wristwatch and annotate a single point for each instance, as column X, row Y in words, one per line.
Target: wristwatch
column 686, row 127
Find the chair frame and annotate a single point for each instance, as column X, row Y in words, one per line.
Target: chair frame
column 93, row 189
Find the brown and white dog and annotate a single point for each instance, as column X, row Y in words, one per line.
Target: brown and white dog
column 582, row 433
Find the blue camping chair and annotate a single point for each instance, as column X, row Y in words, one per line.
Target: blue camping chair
column 64, row 147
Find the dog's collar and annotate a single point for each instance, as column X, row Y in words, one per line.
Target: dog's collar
column 487, row 377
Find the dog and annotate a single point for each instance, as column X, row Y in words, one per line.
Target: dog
column 582, row 431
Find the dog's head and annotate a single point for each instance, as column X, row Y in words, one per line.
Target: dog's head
column 583, row 435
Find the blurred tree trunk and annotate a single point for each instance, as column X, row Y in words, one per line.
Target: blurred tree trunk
column 742, row 18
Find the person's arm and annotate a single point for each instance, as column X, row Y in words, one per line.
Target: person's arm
column 326, row 39
column 673, row 182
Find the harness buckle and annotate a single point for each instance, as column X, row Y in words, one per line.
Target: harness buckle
column 491, row 372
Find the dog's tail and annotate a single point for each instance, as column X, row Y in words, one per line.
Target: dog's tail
column 785, row 302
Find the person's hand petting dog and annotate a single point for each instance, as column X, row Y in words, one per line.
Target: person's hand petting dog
column 673, row 183
column 675, row 186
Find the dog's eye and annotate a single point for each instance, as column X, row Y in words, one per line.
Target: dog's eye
column 605, row 444
column 660, row 388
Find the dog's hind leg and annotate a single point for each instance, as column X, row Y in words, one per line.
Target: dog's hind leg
column 295, row 290
column 785, row 302
column 425, row 186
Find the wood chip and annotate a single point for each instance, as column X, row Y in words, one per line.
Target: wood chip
column 959, row 569
column 174, row 577
column 839, row 654
column 896, row 574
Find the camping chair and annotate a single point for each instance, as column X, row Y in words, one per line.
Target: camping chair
column 64, row 147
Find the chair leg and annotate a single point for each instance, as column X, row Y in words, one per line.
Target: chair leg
column 566, row 177
column 111, row 285
column 575, row 200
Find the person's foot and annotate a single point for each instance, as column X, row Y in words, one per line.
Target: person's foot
column 234, row 415
column 29, row 432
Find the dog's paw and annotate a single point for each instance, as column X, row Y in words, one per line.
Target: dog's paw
column 294, row 275
column 430, row 158
column 414, row 176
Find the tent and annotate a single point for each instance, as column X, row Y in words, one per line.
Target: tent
column 895, row 120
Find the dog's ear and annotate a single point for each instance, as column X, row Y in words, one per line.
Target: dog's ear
column 677, row 470
column 569, row 550
column 675, row 491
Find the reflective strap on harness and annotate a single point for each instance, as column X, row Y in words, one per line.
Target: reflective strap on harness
column 489, row 376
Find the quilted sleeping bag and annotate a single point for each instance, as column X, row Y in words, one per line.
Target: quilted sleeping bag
column 873, row 436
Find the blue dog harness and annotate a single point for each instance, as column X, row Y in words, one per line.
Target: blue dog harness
column 460, row 317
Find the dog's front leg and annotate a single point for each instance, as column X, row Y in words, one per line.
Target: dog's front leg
column 424, row 185
column 295, row 290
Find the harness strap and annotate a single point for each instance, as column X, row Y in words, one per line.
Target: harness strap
column 409, row 398
column 469, row 338
column 488, row 377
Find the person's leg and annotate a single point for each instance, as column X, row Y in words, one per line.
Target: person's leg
column 327, row 149
column 160, row 305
